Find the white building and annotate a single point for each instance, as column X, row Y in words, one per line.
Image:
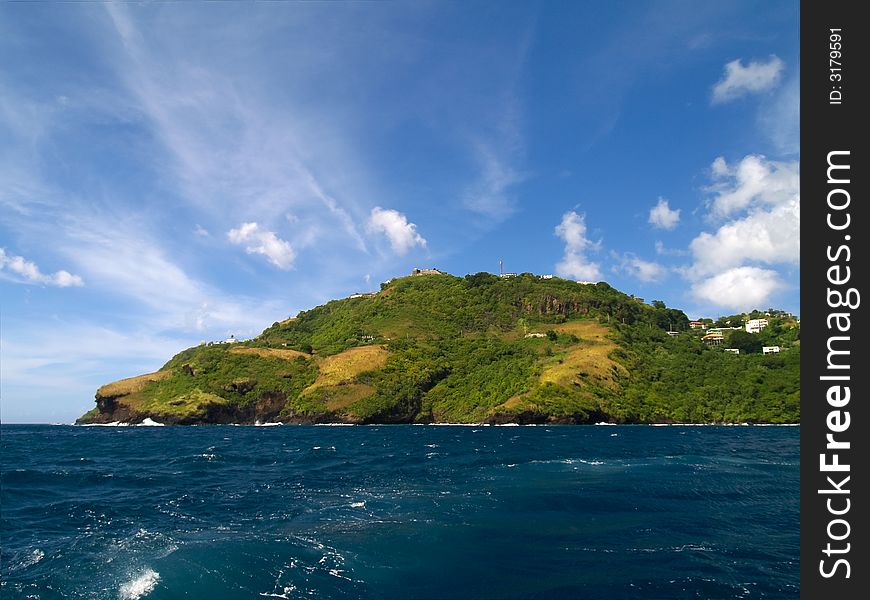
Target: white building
column 756, row 325
column 231, row 340
column 770, row 349
column 536, row 334
column 732, row 350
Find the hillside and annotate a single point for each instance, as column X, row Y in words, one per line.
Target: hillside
column 439, row 348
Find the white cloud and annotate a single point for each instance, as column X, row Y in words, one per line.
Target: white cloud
column 402, row 235
column 767, row 236
column 644, row 270
column 780, row 119
column 663, row 216
column 200, row 231
column 761, row 199
column 260, row 241
column 490, row 194
column 239, row 152
column 755, row 180
column 661, row 250
column 575, row 264
column 740, row 288
column 120, row 258
column 755, row 77
column 25, row 271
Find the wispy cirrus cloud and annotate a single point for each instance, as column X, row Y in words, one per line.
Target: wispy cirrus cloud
column 228, row 146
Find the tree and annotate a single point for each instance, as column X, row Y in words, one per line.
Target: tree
column 747, row 343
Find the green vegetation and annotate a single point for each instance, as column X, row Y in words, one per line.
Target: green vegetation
column 439, row 348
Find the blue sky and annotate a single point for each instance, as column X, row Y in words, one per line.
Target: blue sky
column 176, row 173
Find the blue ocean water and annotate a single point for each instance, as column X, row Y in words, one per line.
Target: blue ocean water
column 426, row 512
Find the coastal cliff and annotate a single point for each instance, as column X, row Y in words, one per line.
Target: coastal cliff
column 480, row 349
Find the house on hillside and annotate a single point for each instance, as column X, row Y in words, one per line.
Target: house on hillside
column 713, row 339
column 755, row 325
column 673, row 333
column 546, row 276
column 363, row 295
column 427, row 272
column 507, row 275
column 536, row 334
column 770, row 349
column 697, row 325
column 732, row 350
column 231, row 340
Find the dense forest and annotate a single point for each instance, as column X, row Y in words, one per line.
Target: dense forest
column 479, row 348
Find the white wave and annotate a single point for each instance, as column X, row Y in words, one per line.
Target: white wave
column 149, row 422
column 140, row 586
column 288, row 589
column 357, row 504
column 112, row 424
column 267, row 424
column 605, row 423
column 335, row 424
column 28, row 561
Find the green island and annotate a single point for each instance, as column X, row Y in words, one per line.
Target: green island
column 435, row 348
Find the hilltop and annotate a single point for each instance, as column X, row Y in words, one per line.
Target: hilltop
column 432, row 347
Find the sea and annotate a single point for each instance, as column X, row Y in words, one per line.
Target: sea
column 399, row 512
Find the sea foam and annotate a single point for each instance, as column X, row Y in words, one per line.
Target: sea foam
column 140, row 586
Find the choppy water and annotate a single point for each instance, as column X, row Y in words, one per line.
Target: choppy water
column 399, row 512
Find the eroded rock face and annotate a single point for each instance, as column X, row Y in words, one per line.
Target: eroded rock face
column 551, row 305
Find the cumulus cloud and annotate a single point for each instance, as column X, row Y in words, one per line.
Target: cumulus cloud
column 739, row 80
column 740, row 288
column 260, row 241
column 663, row 216
column 761, row 201
column 754, row 180
column 575, row 264
column 644, row 270
column 20, row 269
column 767, row 236
column 402, row 235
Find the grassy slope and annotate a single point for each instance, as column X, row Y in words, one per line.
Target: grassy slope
column 449, row 349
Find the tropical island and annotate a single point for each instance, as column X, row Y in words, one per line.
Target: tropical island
column 511, row 348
